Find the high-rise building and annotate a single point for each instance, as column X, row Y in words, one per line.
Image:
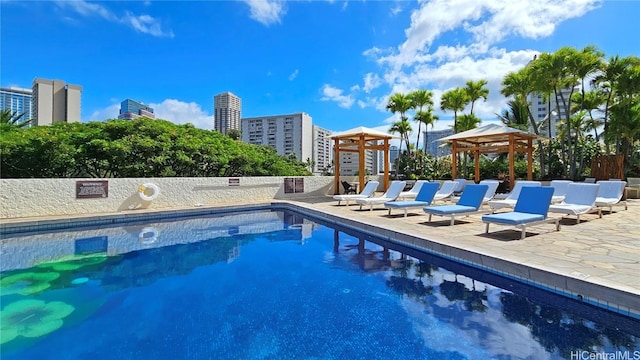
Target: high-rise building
column 434, row 147
column 291, row 133
column 350, row 163
column 18, row 101
column 322, row 150
column 227, row 111
column 131, row 109
column 55, row 101
column 548, row 110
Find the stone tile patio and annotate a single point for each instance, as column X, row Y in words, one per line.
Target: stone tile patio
column 597, row 260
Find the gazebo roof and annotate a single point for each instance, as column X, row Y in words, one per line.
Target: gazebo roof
column 491, row 133
column 355, row 133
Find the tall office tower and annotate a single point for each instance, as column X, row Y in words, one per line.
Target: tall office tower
column 322, row 154
column 55, row 101
column 291, row 133
column 435, row 147
column 227, row 111
column 130, row 109
column 18, row 101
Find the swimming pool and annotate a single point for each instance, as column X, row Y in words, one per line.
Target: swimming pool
column 274, row 285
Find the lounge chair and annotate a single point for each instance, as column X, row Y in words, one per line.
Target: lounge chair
column 469, row 203
column 580, row 199
column 391, row 194
column 512, row 198
column 446, row 190
column 610, row 194
column 425, row 197
column 460, row 185
column 368, row 191
column 348, row 189
column 530, row 209
column 491, row 192
column 411, row 194
column 633, row 186
column 559, row 190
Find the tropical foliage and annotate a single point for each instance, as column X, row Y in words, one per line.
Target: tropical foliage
column 596, row 100
column 137, row 148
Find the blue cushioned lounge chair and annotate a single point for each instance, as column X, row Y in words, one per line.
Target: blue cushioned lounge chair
column 425, row 197
column 531, row 208
column 469, row 203
column 411, row 194
column 512, row 198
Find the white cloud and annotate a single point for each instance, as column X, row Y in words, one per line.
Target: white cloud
column 293, row 75
column 181, row 112
column 396, row 10
column 266, row 12
column 330, row 93
column 145, row 24
column 371, row 81
column 173, row 110
column 110, row 112
column 479, row 26
column 488, row 21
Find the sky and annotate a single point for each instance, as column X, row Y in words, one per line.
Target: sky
column 338, row 61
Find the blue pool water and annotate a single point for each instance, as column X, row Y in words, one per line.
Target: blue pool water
column 274, row 285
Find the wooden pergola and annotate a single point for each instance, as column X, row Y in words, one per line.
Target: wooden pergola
column 493, row 139
column 359, row 140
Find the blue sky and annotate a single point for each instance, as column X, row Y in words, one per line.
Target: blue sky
column 335, row 60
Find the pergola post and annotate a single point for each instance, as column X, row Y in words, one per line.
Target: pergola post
column 530, row 159
column 512, row 160
column 336, row 166
column 476, row 159
column 454, row 163
column 386, row 163
column 361, row 161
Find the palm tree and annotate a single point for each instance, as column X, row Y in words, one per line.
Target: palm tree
column 399, row 103
column 517, row 114
column 427, row 118
column 454, row 100
column 590, row 101
column 609, row 80
column 419, row 99
column 476, row 90
column 403, row 128
column 467, row 122
column 13, row 119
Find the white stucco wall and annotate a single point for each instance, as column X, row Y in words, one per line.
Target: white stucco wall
column 40, row 197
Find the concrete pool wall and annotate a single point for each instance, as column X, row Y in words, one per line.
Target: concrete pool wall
column 21, row 198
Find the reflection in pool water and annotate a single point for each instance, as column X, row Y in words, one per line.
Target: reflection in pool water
column 275, row 285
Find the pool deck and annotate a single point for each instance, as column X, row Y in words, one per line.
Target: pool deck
column 597, row 260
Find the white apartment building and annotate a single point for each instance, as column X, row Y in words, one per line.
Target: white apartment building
column 290, row 133
column 55, row 101
column 540, row 108
column 227, row 112
column 322, row 149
